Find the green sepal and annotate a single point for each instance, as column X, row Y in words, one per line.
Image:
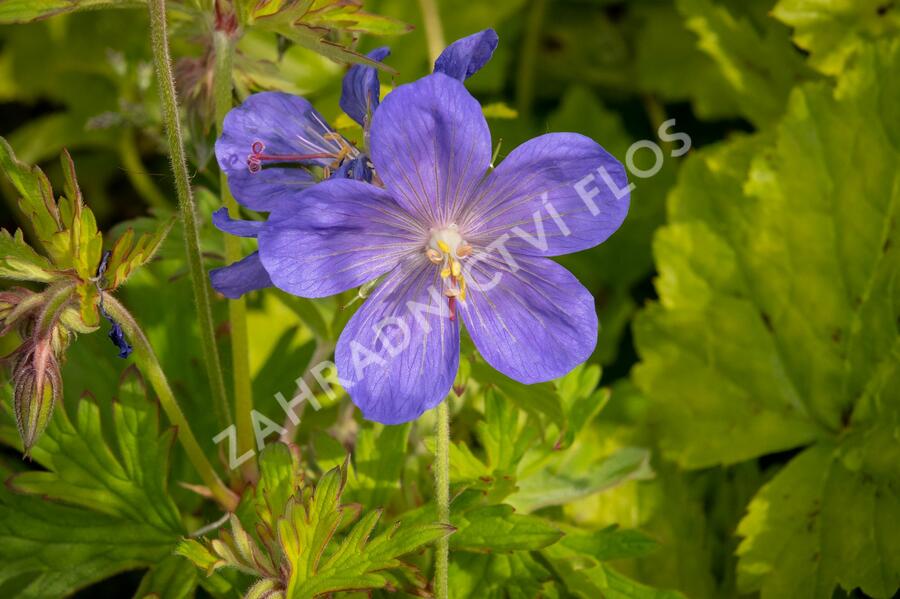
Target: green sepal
column 127, row 254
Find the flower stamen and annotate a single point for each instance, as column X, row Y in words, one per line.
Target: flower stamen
column 346, row 151
column 446, row 248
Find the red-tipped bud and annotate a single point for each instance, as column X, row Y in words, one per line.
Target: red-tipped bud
column 37, row 387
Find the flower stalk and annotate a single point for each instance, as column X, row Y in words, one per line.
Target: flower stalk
column 435, row 36
column 166, row 83
column 442, row 497
column 146, row 360
column 237, row 308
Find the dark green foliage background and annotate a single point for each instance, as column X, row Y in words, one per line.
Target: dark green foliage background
column 749, row 306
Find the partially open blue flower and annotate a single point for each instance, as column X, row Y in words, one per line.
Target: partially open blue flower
column 452, row 240
column 267, row 147
column 270, row 142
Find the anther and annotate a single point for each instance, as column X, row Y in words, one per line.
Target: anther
column 446, row 249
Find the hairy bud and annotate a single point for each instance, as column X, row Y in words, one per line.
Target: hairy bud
column 37, row 385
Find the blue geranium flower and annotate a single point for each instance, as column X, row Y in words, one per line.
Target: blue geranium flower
column 270, row 141
column 452, row 240
column 449, row 239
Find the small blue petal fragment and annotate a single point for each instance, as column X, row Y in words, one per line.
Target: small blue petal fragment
column 241, row 228
column 104, row 263
column 117, row 336
column 239, row 278
column 465, row 57
column 361, row 89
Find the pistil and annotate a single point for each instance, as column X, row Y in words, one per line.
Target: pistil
column 256, row 157
column 446, row 249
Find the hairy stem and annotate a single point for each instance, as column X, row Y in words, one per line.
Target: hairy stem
column 237, row 308
column 442, row 496
column 434, row 31
column 166, row 83
column 137, row 172
column 146, row 360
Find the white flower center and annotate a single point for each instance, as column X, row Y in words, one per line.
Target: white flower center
column 446, row 249
column 446, row 241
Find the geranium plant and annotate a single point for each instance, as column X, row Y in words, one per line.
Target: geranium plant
column 332, row 298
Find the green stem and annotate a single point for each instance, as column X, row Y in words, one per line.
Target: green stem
column 166, row 83
column 434, row 32
column 528, row 58
column 137, row 172
column 237, row 308
column 146, row 360
column 442, row 496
